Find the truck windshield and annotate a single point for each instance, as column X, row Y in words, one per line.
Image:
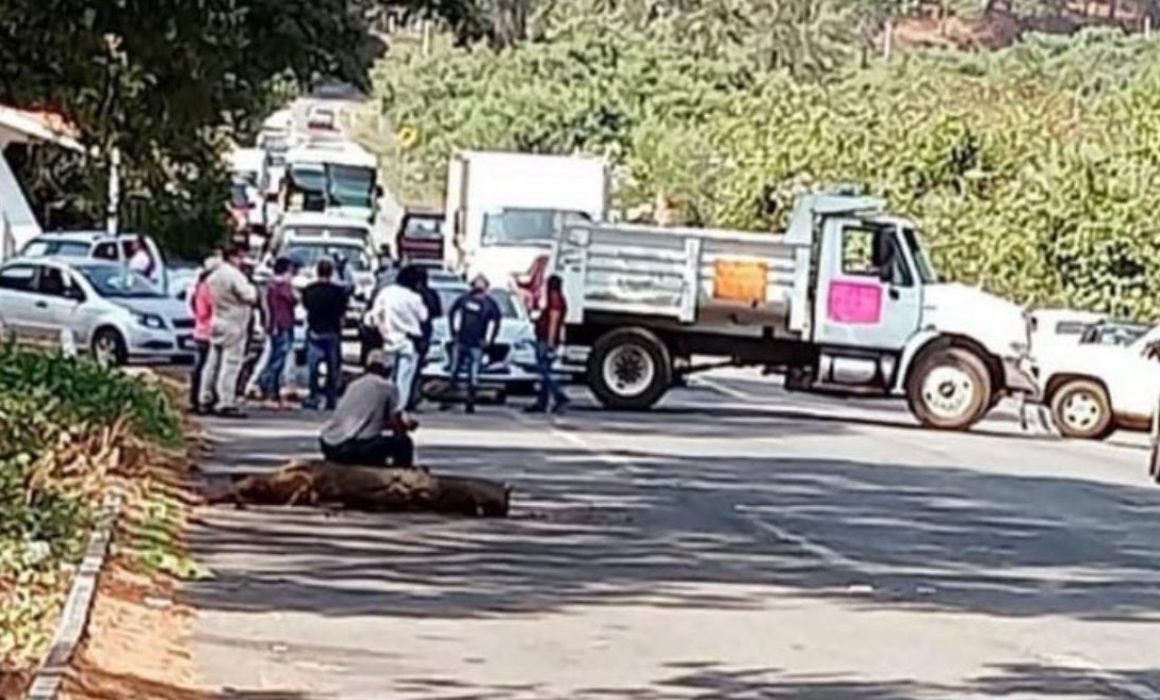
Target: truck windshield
column 351, row 186
column 525, row 226
column 922, row 262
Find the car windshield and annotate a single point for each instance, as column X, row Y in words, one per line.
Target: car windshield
column 307, row 256
column 505, row 301
column 525, row 226
column 359, row 234
column 926, row 271
column 39, row 249
column 351, row 186
column 113, row 281
column 423, row 227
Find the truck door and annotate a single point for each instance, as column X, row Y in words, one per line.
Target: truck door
column 867, row 293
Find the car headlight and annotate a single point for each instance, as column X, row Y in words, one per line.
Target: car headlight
column 150, row 321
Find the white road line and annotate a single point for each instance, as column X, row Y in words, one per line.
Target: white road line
column 831, row 557
column 722, row 389
column 1129, row 688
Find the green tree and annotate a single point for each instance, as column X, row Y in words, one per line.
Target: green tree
column 168, row 83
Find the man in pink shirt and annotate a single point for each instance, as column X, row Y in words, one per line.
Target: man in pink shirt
column 201, row 303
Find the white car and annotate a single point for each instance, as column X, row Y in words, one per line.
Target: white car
column 97, row 245
column 509, row 365
column 1051, row 327
column 115, row 315
column 324, row 118
column 1093, row 389
column 305, row 252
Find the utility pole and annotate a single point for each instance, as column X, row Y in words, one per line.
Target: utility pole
column 112, row 222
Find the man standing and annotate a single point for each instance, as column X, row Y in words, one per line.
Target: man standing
column 280, row 303
column 325, row 303
column 423, row 347
column 399, row 314
column 549, row 335
column 369, row 427
column 474, row 321
column 232, row 298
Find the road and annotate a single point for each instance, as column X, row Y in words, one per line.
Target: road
column 737, row 543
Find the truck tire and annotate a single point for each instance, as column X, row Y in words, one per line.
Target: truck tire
column 1081, row 409
column 629, row 369
column 949, row 389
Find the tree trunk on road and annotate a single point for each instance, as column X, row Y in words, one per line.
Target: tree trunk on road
column 374, row 489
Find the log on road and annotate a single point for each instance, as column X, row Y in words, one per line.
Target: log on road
column 373, row 489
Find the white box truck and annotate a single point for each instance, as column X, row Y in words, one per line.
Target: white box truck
column 502, row 208
column 846, row 300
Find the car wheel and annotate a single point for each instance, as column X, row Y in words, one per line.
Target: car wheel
column 108, row 348
column 949, row 389
column 1081, row 409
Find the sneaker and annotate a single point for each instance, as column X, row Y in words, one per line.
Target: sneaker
column 231, row 412
column 470, row 408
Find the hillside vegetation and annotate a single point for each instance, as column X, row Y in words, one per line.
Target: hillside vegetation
column 1035, row 169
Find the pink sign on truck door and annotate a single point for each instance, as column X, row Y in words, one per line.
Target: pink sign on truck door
column 854, row 302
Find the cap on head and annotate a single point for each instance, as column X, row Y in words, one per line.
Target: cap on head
column 479, row 283
column 378, row 360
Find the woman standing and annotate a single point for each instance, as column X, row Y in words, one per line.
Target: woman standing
column 201, row 303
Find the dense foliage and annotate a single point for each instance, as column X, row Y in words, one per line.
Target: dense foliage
column 1035, row 170
column 57, row 447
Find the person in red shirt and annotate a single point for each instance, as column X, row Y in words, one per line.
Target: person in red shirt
column 549, row 336
column 280, row 303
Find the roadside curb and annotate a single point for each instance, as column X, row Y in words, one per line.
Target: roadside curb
column 75, row 615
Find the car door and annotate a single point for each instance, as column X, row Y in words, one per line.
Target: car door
column 64, row 297
column 17, row 301
column 868, row 294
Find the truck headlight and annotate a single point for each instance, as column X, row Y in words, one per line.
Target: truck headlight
column 150, row 321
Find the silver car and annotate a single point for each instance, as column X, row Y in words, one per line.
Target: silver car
column 116, row 315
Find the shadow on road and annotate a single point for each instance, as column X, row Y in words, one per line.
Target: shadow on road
column 727, row 534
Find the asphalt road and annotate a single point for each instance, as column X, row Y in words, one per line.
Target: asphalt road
column 738, row 542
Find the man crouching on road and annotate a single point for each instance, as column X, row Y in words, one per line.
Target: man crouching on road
column 369, row 427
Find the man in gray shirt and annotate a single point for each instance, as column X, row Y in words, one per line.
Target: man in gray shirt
column 368, row 426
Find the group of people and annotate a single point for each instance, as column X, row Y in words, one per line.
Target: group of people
column 370, row 423
column 226, row 304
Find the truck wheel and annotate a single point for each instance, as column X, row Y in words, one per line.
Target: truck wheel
column 949, row 389
column 1081, row 409
column 629, row 369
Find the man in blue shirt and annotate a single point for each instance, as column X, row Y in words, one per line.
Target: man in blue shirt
column 474, row 321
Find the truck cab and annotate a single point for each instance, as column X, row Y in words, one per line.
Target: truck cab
column 846, row 300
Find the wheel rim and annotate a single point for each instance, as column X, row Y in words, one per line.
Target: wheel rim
column 629, row 370
column 1081, row 411
column 105, row 350
column 948, row 392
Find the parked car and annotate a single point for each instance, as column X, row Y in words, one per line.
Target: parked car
column 1093, row 388
column 305, row 252
column 1050, row 327
column 115, row 315
column 323, row 118
column 1113, row 333
column 420, row 237
column 98, row 245
column 509, row 365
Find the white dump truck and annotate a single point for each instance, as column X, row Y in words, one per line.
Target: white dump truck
column 845, row 300
column 503, row 208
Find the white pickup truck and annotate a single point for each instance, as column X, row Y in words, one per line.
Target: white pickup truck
column 845, row 300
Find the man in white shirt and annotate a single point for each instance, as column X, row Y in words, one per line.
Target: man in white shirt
column 399, row 313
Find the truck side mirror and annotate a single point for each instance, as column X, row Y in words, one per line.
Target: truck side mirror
column 886, row 272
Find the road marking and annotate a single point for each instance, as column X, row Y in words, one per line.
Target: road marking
column 829, row 556
column 1130, row 688
column 722, row 389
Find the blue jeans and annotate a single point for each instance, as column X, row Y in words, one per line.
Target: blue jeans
column 406, row 367
column 271, row 380
column 549, row 388
column 469, row 358
column 324, row 348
